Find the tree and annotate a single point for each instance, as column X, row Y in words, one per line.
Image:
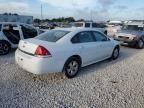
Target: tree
column 70, row 19
column 15, row 14
column 10, row 14
column 5, row 14
column 80, row 20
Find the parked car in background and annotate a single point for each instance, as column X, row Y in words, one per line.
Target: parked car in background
column 113, row 27
column 65, row 50
column 132, row 33
column 90, row 24
column 11, row 33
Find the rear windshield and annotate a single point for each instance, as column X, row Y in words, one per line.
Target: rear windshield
column 0, row 27
column 52, row 35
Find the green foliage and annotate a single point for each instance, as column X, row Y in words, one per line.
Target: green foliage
column 61, row 19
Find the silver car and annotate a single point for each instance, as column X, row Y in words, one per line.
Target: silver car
column 131, row 34
column 11, row 33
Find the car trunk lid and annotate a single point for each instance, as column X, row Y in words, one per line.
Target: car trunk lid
column 30, row 46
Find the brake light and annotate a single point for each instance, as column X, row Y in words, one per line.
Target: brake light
column 42, row 51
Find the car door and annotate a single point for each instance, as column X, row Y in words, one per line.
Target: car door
column 28, row 31
column 12, row 33
column 104, row 45
column 85, row 43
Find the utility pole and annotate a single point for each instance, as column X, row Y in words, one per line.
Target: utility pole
column 41, row 12
column 91, row 15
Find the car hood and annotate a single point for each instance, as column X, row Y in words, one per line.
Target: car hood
column 130, row 32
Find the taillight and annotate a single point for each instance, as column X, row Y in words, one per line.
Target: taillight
column 42, row 51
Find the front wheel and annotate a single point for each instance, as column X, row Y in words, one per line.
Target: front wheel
column 115, row 53
column 4, row 48
column 140, row 44
column 72, row 67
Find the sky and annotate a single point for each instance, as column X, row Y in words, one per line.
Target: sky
column 101, row 10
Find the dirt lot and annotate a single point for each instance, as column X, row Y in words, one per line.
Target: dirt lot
column 108, row 84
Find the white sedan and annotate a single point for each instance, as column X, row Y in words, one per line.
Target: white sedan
column 65, row 50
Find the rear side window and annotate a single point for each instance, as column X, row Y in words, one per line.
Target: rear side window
column 0, row 27
column 52, row 36
column 83, row 37
column 87, row 24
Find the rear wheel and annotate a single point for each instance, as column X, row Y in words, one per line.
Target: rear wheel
column 140, row 44
column 115, row 53
column 4, row 47
column 72, row 67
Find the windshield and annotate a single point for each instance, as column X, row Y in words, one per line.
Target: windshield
column 132, row 27
column 78, row 25
column 0, row 27
column 52, row 35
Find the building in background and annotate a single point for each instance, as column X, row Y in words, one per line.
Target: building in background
column 16, row 18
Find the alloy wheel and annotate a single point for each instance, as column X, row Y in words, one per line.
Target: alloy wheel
column 116, row 53
column 72, row 68
column 4, row 48
column 140, row 44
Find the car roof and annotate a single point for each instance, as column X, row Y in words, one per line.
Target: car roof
column 73, row 29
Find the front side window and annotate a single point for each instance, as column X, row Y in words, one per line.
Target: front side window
column 87, row 24
column 28, row 31
column 99, row 37
column 83, row 37
column 52, row 36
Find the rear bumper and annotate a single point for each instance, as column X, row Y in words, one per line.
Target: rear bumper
column 37, row 65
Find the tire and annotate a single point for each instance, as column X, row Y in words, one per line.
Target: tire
column 72, row 67
column 4, row 48
column 140, row 44
column 115, row 53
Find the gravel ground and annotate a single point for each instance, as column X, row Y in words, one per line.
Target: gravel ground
column 108, row 84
